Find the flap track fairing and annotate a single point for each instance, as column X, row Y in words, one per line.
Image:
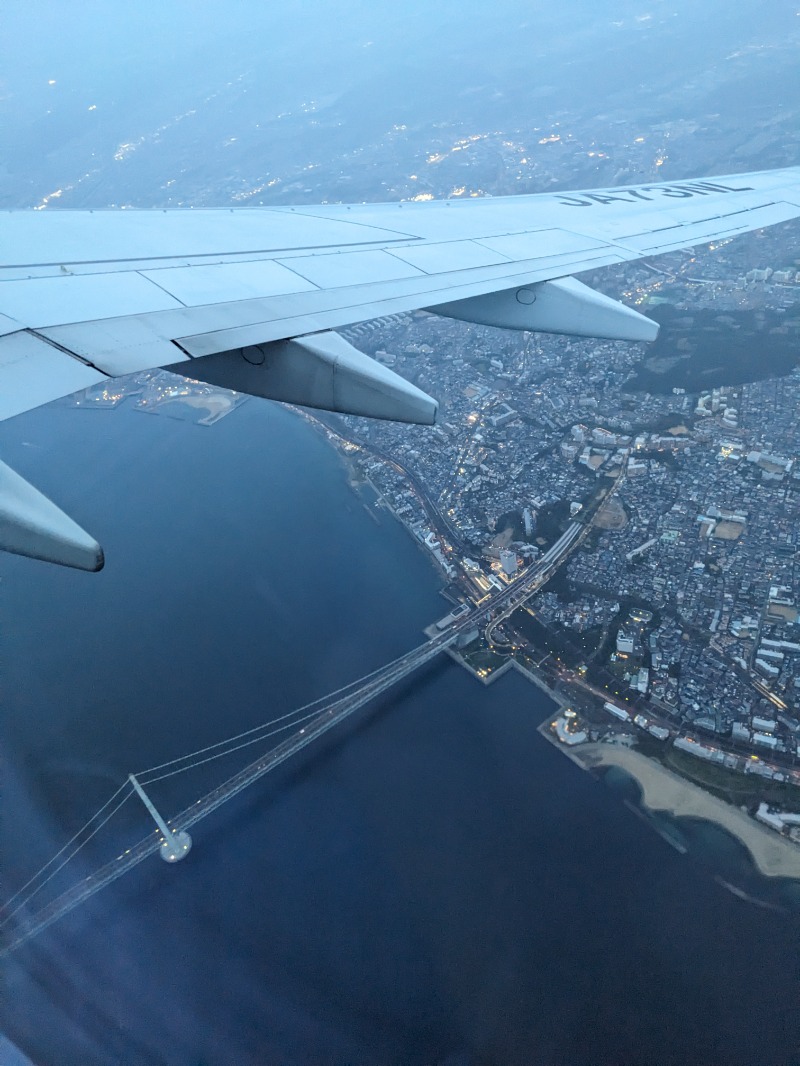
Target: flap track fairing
column 563, row 306
column 319, row 370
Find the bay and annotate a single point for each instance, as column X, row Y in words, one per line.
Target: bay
column 432, row 882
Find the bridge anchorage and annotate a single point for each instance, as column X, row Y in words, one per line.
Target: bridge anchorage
column 175, row 845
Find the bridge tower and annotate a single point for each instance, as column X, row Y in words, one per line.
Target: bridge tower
column 175, row 846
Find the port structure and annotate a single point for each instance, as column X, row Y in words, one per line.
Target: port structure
column 176, row 844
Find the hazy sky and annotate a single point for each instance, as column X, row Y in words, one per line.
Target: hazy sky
column 79, row 80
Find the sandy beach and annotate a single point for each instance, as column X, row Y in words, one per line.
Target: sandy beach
column 663, row 790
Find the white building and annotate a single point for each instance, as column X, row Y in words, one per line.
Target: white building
column 624, row 643
column 764, row 725
column 508, row 561
column 618, row 712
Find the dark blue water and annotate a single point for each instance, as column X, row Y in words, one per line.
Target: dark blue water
column 433, row 883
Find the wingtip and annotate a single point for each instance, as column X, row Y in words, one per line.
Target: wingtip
column 32, row 525
column 96, row 564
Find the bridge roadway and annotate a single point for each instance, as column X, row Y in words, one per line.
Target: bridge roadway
column 325, row 720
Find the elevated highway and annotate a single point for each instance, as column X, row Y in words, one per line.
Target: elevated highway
column 506, row 602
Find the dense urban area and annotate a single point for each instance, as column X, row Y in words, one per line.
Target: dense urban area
column 681, row 600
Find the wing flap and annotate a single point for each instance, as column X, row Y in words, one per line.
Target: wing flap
column 331, row 309
column 118, row 346
column 448, row 256
column 195, row 286
column 121, row 346
column 341, row 269
column 51, row 301
column 542, row 244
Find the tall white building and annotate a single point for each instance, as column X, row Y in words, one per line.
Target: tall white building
column 508, row 561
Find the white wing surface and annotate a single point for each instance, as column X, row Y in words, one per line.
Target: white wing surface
column 249, row 298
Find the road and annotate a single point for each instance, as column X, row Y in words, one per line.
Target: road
column 437, row 519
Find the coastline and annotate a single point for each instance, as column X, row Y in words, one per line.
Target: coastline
column 664, row 790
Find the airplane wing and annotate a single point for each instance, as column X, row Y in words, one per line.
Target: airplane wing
column 249, row 298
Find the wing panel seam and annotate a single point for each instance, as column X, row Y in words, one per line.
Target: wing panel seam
column 268, row 253
column 158, row 285
column 65, row 351
column 700, row 221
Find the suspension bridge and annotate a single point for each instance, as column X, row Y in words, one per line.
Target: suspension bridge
column 19, row 922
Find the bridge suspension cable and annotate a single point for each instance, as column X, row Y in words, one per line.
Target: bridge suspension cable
column 322, row 713
column 291, row 718
column 127, row 789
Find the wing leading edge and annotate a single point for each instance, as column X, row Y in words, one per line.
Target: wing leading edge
column 249, row 298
